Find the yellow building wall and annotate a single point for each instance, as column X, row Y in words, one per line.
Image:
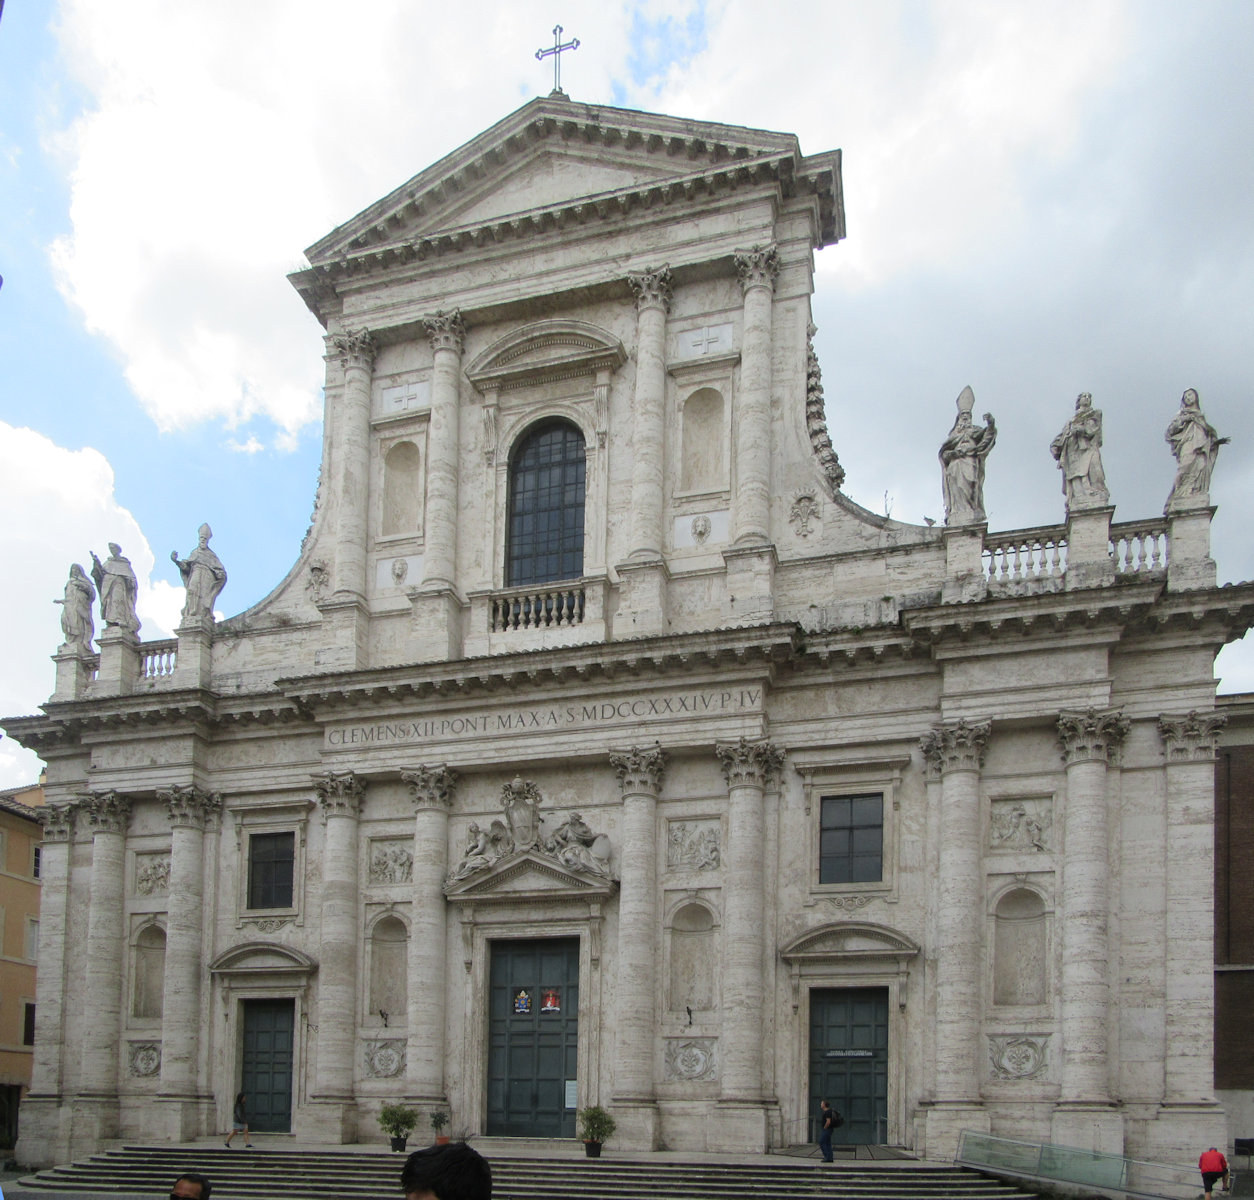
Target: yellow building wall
column 19, row 906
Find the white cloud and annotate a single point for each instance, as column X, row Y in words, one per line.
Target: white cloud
column 67, row 497
column 252, row 446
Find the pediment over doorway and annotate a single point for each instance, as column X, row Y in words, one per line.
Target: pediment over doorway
column 529, row 875
column 253, row 960
column 844, row 941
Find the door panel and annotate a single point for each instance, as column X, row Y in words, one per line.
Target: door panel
column 849, row 1061
column 267, row 1070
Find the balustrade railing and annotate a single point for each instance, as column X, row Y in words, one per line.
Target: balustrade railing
column 1026, row 556
column 158, row 659
column 1139, row 547
column 536, row 608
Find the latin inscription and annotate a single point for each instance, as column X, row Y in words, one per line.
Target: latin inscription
column 559, row 716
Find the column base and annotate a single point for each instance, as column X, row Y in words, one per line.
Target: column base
column 642, row 599
column 44, row 1138
column 946, row 1121
column 638, row 1125
column 740, row 1127
column 1097, row 1127
column 331, row 1120
column 1179, row 1132
column 437, row 624
column 94, row 1120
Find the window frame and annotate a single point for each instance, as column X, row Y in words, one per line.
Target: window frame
column 529, row 433
column 290, row 818
column 851, row 855
column 267, row 885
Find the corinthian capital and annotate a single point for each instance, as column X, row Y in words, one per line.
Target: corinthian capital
column 640, row 770
column 1091, row 736
column 1191, row 738
column 190, row 806
column 355, row 348
column 339, row 793
column 106, row 812
column 757, row 267
column 751, row 763
column 58, row 822
column 957, row 746
column 446, row 331
column 431, row 787
column 652, row 288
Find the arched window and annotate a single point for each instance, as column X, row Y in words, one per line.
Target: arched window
column 546, row 497
column 388, row 988
column 401, row 489
column 149, row 991
column 1019, row 947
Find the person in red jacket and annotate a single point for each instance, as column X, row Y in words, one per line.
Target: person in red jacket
column 1213, row 1166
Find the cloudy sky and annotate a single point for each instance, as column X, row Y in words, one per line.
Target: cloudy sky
column 1042, row 200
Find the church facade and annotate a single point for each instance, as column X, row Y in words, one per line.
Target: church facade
column 598, row 749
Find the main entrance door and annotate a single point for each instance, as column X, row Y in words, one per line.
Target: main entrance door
column 533, row 1002
column 849, row 1061
column 267, row 1075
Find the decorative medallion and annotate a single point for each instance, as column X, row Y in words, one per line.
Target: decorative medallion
column 692, row 1060
column 805, row 508
column 551, row 1002
column 701, row 528
column 522, row 1002
column 692, row 845
column 400, row 568
column 385, row 1059
column 145, row 1059
column 1017, row 1055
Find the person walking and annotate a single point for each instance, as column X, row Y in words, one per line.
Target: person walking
column 239, row 1123
column 1214, row 1167
column 827, row 1123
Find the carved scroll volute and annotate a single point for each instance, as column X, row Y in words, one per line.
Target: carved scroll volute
column 58, row 822
column 1191, row 738
column 652, row 288
column 446, row 330
column 356, row 348
column 1091, row 736
column 749, row 764
column 956, row 747
column 190, row 806
column 106, row 812
column 340, row 793
column 431, row 787
column 640, row 770
column 757, row 267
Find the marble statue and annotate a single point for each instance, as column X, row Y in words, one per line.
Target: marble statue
column 77, row 622
column 962, row 456
column 1078, row 449
column 576, row 847
column 204, row 577
column 1195, row 444
column 118, row 588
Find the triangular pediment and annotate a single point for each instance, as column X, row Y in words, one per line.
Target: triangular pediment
column 843, row 940
column 529, row 875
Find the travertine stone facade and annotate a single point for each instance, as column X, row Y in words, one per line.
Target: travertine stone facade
column 592, row 712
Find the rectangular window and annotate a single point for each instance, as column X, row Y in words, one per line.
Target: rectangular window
column 36, row 862
column 851, row 839
column 28, row 1024
column 271, row 858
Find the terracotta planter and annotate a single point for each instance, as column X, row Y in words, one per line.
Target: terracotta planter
column 441, row 1139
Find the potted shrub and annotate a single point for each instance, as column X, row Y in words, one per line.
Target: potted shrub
column 439, row 1118
column 398, row 1121
column 595, row 1127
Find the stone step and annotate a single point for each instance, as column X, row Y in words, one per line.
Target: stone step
column 325, row 1175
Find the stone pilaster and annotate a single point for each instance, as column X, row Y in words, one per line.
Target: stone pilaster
column 751, row 512
column 339, row 797
column 1084, row 1116
column 640, row 774
column 432, row 790
column 1090, row 562
column 1189, row 562
column 119, row 661
column 956, row 750
column 188, row 808
column 748, row 767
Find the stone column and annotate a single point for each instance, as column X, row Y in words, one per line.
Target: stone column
column 956, row 750
column 747, row 767
column 339, row 796
column 351, row 458
column 751, row 515
column 439, row 564
column 640, row 775
column 432, row 789
column 188, row 808
column 1084, row 1116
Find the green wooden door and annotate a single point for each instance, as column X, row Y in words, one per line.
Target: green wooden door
column 849, row 1061
column 533, row 1005
column 266, row 1080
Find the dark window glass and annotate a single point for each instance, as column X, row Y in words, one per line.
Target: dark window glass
column 28, row 1025
column 546, row 496
column 851, row 839
column 37, row 862
column 271, row 858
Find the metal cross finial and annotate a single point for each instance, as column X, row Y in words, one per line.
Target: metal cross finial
column 556, row 52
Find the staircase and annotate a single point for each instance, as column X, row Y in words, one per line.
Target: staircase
column 374, row 1175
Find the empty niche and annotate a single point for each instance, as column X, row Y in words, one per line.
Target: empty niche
column 1019, row 949
column 402, row 490
column 149, row 990
column 702, row 460
column 693, row 963
column 388, row 991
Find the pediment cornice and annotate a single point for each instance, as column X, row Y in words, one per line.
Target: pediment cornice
column 529, row 875
column 544, row 350
column 262, row 958
column 841, row 941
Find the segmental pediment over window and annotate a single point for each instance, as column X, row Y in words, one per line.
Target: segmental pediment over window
column 546, row 350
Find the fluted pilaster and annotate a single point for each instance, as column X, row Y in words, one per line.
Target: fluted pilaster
column 448, row 336
column 757, row 269
column 58, row 823
column 653, row 299
column 355, row 351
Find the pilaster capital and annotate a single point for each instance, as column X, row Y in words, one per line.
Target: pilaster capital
column 189, row 806
column 1191, row 738
column 58, row 822
column 356, row 348
column 640, row 770
column 106, row 812
column 652, row 288
column 956, row 746
column 757, row 267
column 1091, row 736
column 431, row 787
column 339, row 793
column 446, row 330
column 748, row 763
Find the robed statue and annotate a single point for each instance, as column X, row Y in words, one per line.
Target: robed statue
column 962, row 456
column 77, row 623
column 204, row 577
column 118, row 588
column 1078, row 449
column 1196, row 445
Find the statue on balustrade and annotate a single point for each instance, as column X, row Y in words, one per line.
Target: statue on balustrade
column 1195, row 444
column 204, row 576
column 1078, row 449
column 118, row 588
column 962, row 456
column 77, row 623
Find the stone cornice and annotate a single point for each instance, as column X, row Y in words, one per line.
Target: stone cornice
column 640, row 770
column 431, row 787
column 1091, row 736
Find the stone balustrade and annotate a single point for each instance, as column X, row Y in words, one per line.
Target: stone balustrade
column 1028, row 559
column 536, row 608
column 157, row 660
column 1139, row 547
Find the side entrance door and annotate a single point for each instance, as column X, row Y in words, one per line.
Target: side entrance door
column 849, row 1061
column 533, row 1028
column 266, row 1080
